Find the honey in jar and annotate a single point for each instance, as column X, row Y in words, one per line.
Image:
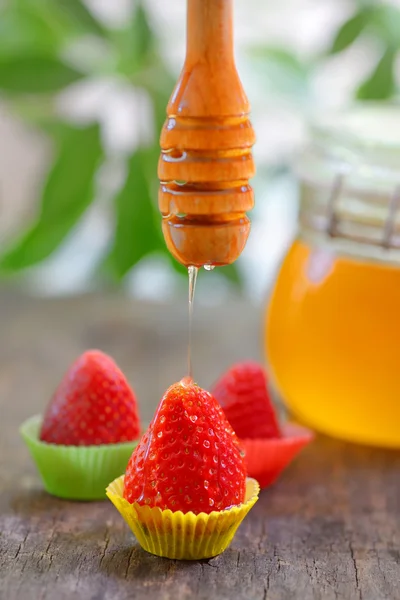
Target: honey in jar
column 333, row 321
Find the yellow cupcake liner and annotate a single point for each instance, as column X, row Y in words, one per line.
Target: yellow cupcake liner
column 75, row 472
column 178, row 535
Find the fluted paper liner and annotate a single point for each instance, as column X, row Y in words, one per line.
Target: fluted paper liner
column 178, row 535
column 75, row 472
column 267, row 458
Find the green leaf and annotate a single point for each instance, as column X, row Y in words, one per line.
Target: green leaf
column 381, row 84
column 386, row 24
column 66, row 18
column 143, row 39
column 280, row 70
column 44, row 27
column 350, row 31
column 81, row 15
column 138, row 230
column 35, row 74
column 232, row 274
column 67, row 193
column 136, row 43
column 281, row 56
column 23, row 32
column 40, row 110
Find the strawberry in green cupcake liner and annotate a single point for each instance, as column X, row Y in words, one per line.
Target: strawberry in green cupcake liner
column 243, row 395
column 75, row 472
column 88, row 432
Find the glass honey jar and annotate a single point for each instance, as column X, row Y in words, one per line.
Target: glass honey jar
column 332, row 328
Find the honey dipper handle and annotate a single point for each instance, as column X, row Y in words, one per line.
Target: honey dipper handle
column 209, row 31
column 209, row 85
column 206, row 160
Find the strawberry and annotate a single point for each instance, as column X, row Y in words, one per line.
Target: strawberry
column 189, row 459
column 243, row 394
column 92, row 405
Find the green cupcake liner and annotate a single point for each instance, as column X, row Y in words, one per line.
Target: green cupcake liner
column 75, row 472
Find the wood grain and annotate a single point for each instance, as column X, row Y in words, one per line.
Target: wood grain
column 329, row 529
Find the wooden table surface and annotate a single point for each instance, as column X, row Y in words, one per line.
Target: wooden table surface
column 328, row 529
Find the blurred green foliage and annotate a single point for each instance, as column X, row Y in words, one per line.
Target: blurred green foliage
column 381, row 22
column 35, row 66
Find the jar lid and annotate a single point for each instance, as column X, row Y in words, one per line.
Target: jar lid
column 351, row 176
column 366, row 128
column 366, row 136
column 362, row 143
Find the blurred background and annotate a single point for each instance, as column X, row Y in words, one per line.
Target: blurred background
column 83, row 90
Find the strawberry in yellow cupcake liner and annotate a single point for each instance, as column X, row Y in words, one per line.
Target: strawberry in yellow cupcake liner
column 178, row 535
column 88, row 432
column 185, row 492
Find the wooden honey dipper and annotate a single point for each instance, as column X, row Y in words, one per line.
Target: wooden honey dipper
column 206, row 141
